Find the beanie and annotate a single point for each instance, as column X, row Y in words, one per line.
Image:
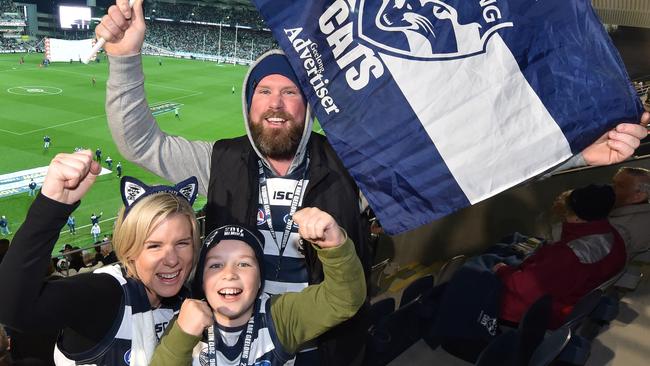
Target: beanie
column 592, row 202
column 272, row 64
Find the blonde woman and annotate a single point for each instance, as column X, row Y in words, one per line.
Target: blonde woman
column 111, row 316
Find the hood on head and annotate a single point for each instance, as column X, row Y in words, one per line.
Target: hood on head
column 302, row 147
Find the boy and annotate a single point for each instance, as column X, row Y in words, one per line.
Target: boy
column 230, row 274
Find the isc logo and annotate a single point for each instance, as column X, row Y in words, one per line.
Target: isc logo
column 279, row 195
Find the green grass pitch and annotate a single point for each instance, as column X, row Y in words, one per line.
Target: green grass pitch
column 76, row 117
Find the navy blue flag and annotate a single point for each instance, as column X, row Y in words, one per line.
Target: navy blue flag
column 434, row 105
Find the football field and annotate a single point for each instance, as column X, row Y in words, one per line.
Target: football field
column 61, row 102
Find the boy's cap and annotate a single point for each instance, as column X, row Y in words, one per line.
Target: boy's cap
column 250, row 236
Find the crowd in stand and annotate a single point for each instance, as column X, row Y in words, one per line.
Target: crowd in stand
column 194, row 38
column 7, row 6
column 201, row 13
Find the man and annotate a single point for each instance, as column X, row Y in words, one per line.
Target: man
column 589, row 252
column 71, row 225
column 631, row 214
column 109, row 162
column 261, row 178
column 118, row 167
column 94, row 219
column 32, row 188
column 176, row 113
column 46, row 142
column 280, row 158
column 93, row 81
column 4, row 226
column 98, row 154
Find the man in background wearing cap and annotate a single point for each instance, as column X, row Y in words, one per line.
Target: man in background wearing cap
column 589, row 252
column 258, row 180
column 631, row 213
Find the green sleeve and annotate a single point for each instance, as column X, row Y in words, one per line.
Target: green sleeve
column 175, row 347
column 302, row 316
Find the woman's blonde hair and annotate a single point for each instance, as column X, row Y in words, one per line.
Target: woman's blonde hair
column 143, row 218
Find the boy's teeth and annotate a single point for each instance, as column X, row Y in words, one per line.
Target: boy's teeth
column 230, row 291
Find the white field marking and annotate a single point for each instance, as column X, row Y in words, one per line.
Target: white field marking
column 150, row 84
column 61, row 124
column 88, row 118
column 67, row 230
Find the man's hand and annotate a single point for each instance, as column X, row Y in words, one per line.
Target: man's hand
column 319, row 227
column 122, row 28
column 69, row 176
column 195, row 316
column 618, row 144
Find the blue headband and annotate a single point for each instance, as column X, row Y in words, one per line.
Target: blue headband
column 269, row 65
column 132, row 191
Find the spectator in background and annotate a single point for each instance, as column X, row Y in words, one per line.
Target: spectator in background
column 589, row 252
column 94, row 219
column 90, row 264
column 76, row 260
column 4, row 226
column 71, row 225
column 631, row 214
column 32, row 188
column 95, row 231
column 108, row 255
column 46, row 142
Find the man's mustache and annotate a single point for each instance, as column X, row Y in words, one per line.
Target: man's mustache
column 277, row 114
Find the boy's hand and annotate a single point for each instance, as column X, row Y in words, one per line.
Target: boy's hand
column 194, row 317
column 319, row 228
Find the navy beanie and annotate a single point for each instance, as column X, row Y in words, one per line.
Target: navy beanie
column 272, row 64
column 593, row 202
column 250, row 236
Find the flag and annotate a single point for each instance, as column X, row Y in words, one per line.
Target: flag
column 434, row 105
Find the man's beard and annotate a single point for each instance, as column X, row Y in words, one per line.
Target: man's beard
column 277, row 143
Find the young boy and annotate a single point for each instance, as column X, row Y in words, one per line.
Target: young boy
column 244, row 324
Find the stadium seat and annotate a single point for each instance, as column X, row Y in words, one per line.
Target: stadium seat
column 532, row 328
column 500, row 352
column 550, row 347
column 416, row 289
column 448, row 269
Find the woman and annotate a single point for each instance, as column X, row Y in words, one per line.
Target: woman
column 111, row 316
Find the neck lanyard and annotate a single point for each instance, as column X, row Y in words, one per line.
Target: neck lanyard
column 297, row 193
column 246, row 350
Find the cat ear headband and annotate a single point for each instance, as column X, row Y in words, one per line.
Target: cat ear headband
column 133, row 190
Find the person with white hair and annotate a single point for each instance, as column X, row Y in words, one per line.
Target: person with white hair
column 631, row 213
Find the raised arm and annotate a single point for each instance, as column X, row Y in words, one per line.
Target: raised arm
column 134, row 129
column 299, row 317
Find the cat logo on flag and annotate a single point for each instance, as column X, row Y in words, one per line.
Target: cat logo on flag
column 430, row 29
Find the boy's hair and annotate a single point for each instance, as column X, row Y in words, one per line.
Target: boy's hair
column 144, row 217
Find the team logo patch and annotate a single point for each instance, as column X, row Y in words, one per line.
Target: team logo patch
column 286, row 220
column 204, row 360
column 261, row 217
column 127, row 357
column 430, row 29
